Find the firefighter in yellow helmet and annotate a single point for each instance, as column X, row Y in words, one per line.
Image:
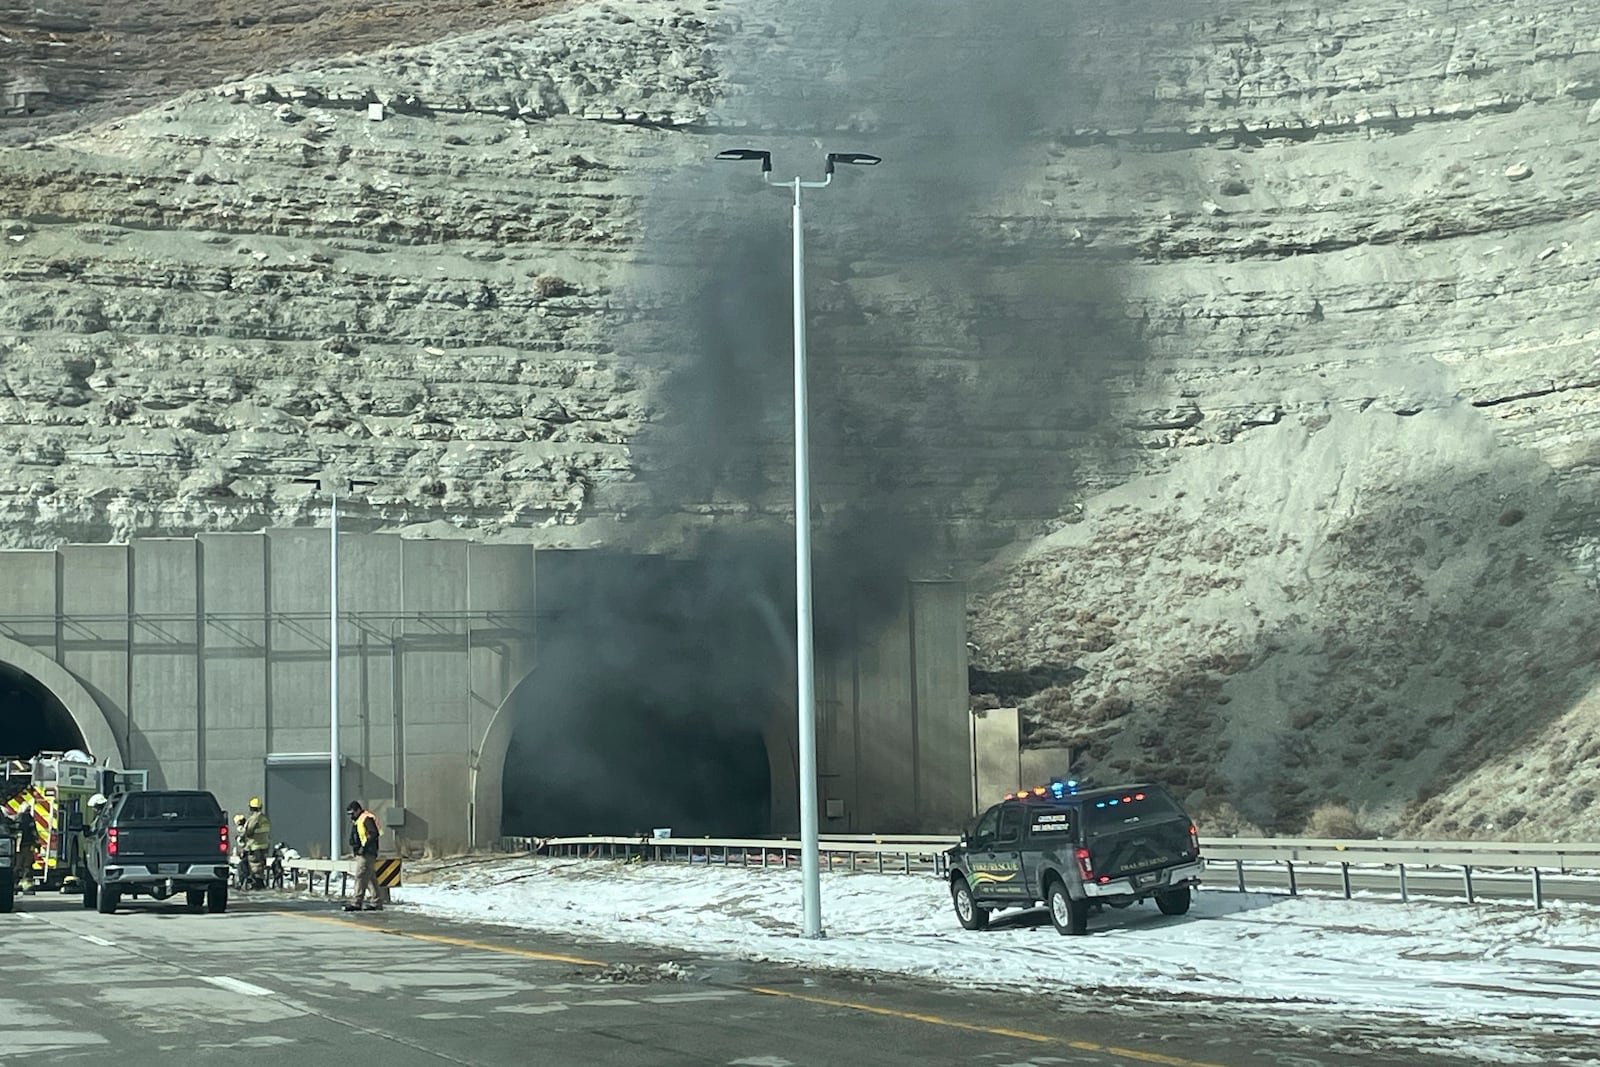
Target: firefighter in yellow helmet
column 257, row 842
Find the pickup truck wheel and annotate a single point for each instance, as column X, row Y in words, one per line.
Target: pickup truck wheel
column 968, row 913
column 1069, row 916
column 106, row 899
column 195, row 901
column 1173, row 901
column 88, row 893
column 217, row 899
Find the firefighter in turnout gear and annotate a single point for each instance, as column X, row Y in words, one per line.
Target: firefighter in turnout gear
column 257, row 843
column 27, row 845
column 364, row 838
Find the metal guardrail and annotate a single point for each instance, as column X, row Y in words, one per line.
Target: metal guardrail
column 1286, row 858
column 311, row 868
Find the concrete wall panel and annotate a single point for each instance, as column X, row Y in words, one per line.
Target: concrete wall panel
column 996, row 735
column 168, row 717
column 297, row 592
column 94, row 641
column 434, row 686
column 887, row 757
column 29, row 581
column 944, row 726
column 371, row 597
column 234, row 676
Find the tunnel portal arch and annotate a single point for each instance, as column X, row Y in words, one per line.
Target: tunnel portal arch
column 53, row 705
column 756, row 763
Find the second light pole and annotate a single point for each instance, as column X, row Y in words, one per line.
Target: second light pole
column 810, row 872
column 335, row 801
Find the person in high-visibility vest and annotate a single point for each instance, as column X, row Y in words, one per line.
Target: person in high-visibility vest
column 257, row 842
column 364, row 839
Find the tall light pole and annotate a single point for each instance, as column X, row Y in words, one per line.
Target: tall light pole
column 810, row 875
column 335, row 801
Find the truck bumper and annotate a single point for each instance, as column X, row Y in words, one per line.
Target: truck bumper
column 1143, row 885
column 181, row 875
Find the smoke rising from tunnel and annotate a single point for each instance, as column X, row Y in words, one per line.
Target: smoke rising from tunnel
column 920, row 337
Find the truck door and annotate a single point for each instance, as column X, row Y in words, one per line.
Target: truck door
column 988, row 875
column 1007, row 855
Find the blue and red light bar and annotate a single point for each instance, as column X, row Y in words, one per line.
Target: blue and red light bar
column 1056, row 789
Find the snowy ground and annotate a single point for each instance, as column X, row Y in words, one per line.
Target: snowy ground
column 1492, row 983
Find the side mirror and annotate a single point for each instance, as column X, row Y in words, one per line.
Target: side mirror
column 963, row 841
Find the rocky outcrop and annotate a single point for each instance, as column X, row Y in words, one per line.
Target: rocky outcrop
column 1260, row 335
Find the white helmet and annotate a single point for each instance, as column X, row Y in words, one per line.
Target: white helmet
column 98, row 800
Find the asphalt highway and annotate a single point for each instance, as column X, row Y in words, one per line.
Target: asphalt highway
column 285, row 979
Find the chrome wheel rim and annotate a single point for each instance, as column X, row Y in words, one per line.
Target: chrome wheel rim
column 964, row 905
column 1060, row 909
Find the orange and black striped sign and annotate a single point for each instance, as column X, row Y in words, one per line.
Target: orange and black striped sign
column 387, row 873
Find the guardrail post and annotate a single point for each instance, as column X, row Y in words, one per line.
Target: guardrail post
column 1405, row 896
column 1344, row 877
column 1240, row 865
column 1466, row 876
column 1538, row 889
column 1294, row 890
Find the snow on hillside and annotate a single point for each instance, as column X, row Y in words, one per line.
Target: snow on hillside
column 1493, row 983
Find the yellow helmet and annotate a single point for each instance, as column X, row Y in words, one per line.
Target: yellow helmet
column 255, row 802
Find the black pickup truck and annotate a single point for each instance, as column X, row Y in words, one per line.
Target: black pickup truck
column 1076, row 852
column 158, row 844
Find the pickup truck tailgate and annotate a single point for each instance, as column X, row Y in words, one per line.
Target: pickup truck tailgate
column 191, row 843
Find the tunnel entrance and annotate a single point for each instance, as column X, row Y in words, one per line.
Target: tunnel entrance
column 650, row 701
column 32, row 719
column 632, row 770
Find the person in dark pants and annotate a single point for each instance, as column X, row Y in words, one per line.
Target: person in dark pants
column 364, row 835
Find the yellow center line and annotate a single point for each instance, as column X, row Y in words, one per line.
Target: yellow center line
column 1021, row 1035
column 456, row 942
column 872, row 1009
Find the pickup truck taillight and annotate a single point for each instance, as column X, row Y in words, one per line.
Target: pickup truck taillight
column 222, row 845
column 1194, row 839
column 111, row 841
column 1085, row 867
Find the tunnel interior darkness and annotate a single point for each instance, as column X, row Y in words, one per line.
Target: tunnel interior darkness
column 32, row 720
column 654, row 684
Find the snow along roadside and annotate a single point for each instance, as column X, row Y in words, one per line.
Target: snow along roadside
column 1460, row 968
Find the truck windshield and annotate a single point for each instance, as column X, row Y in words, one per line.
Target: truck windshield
column 170, row 807
column 1109, row 814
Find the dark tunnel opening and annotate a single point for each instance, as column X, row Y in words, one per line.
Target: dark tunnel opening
column 643, row 773
column 32, row 720
column 648, row 708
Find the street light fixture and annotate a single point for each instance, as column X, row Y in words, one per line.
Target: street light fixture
column 335, row 801
column 810, row 876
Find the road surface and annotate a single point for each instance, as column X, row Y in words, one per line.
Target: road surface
column 283, row 979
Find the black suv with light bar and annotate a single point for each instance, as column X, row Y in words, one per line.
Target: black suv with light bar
column 1075, row 851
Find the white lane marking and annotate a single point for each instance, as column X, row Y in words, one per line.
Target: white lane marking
column 689, row 998
column 233, row 985
column 93, row 940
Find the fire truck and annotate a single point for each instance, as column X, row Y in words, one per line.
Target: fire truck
column 39, row 799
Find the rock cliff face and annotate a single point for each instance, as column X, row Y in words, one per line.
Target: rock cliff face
column 1259, row 334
